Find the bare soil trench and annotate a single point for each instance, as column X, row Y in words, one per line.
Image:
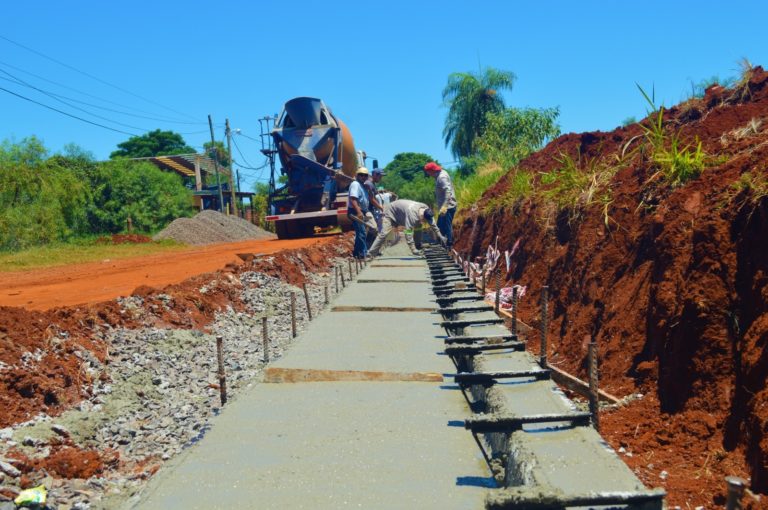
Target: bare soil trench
column 669, row 279
column 106, row 370
column 42, row 289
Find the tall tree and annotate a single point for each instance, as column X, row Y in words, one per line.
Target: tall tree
column 405, row 176
column 469, row 97
column 153, row 143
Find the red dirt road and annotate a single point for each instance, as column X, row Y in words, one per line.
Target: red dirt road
column 43, row 289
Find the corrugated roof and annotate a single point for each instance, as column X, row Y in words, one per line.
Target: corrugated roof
column 184, row 164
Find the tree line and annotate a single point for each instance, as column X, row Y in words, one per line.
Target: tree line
column 487, row 137
column 56, row 198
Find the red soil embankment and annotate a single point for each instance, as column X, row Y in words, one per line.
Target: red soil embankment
column 674, row 289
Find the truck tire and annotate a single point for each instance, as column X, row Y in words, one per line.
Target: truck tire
column 285, row 230
column 293, row 230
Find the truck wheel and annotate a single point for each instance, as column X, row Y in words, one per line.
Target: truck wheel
column 284, row 230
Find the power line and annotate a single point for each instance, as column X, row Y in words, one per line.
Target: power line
column 53, row 96
column 94, row 77
column 65, row 113
column 240, row 152
column 156, row 117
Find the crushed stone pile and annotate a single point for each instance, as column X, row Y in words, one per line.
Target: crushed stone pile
column 210, row 226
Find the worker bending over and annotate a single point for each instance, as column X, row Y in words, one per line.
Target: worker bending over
column 445, row 198
column 410, row 215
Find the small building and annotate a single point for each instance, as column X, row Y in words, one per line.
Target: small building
column 199, row 174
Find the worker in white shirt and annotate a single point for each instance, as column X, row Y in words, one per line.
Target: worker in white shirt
column 412, row 216
column 445, row 198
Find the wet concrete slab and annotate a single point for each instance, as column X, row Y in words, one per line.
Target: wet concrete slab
column 328, row 445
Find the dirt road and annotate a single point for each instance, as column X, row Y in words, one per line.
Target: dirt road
column 42, row 289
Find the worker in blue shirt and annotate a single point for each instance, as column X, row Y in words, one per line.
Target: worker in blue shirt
column 357, row 210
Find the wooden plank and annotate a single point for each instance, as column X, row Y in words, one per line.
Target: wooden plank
column 299, row 375
column 397, row 265
column 248, row 257
column 576, row 385
column 391, row 281
column 380, row 309
column 561, row 377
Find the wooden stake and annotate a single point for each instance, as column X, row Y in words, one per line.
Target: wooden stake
column 265, row 339
column 306, row 298
column 222, row 375
column 543, row 324
column 594, row 397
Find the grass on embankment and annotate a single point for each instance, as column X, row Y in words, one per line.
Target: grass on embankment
column 78, row 252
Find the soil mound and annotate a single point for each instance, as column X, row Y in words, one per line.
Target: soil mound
column 210, row 226
column 124, row 239
column 671, row 281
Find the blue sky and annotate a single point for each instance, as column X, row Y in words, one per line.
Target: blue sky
column 380, row 66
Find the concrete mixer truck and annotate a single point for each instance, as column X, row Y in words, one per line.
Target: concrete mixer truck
column 319, row 159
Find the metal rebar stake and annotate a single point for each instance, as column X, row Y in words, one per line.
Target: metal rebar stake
column 336, row 277
column 306, row 298
column 514, row 310
column 543, row 326
column 594, row 397
column 222, row 375
column 736, row 488
column 265, row 338
column 349, row 261
column 327, row 292
column 498, row 291
column 341, row 273
column 293, row 314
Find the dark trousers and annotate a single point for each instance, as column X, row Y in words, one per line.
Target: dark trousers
column 445, row 224
column 360, row 249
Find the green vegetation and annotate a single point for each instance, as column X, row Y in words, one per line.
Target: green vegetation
column 677, row 162
column 519, row 187
column 469, row 98
column 260, row 203
column 754, row 185
column 470, row 188
column 628, row 121
column 489, row 138
column 515, row 133
column 79, row 251
column 154, row 143
column 64, row 197
column 406, row 178
column 576, row 185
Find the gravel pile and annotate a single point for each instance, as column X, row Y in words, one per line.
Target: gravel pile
column 211, row 226
column 163, row 388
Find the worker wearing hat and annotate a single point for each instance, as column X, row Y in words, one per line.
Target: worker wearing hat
column 410, row 215
column 357, row 210
column 445, row 199
column 377, row 208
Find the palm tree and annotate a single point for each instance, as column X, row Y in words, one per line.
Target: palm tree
column 469, row 97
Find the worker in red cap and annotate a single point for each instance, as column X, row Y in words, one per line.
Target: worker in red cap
column 445, row 200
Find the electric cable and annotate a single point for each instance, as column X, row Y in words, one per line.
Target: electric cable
column 155, row 118
column 67, row 114
column 93, row 77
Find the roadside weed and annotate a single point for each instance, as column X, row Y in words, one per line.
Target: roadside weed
column 677, row 162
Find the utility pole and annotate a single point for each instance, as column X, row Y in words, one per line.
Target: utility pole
column 231, row 173
column 238, row 188
column 216, row 166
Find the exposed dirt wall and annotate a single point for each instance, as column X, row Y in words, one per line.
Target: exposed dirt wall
column 672, row 285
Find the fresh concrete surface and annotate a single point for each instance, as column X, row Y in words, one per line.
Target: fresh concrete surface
column 330, row 445
column 382, row 341
column 342, row 444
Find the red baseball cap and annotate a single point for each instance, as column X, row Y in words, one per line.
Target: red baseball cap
column 432, row 167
